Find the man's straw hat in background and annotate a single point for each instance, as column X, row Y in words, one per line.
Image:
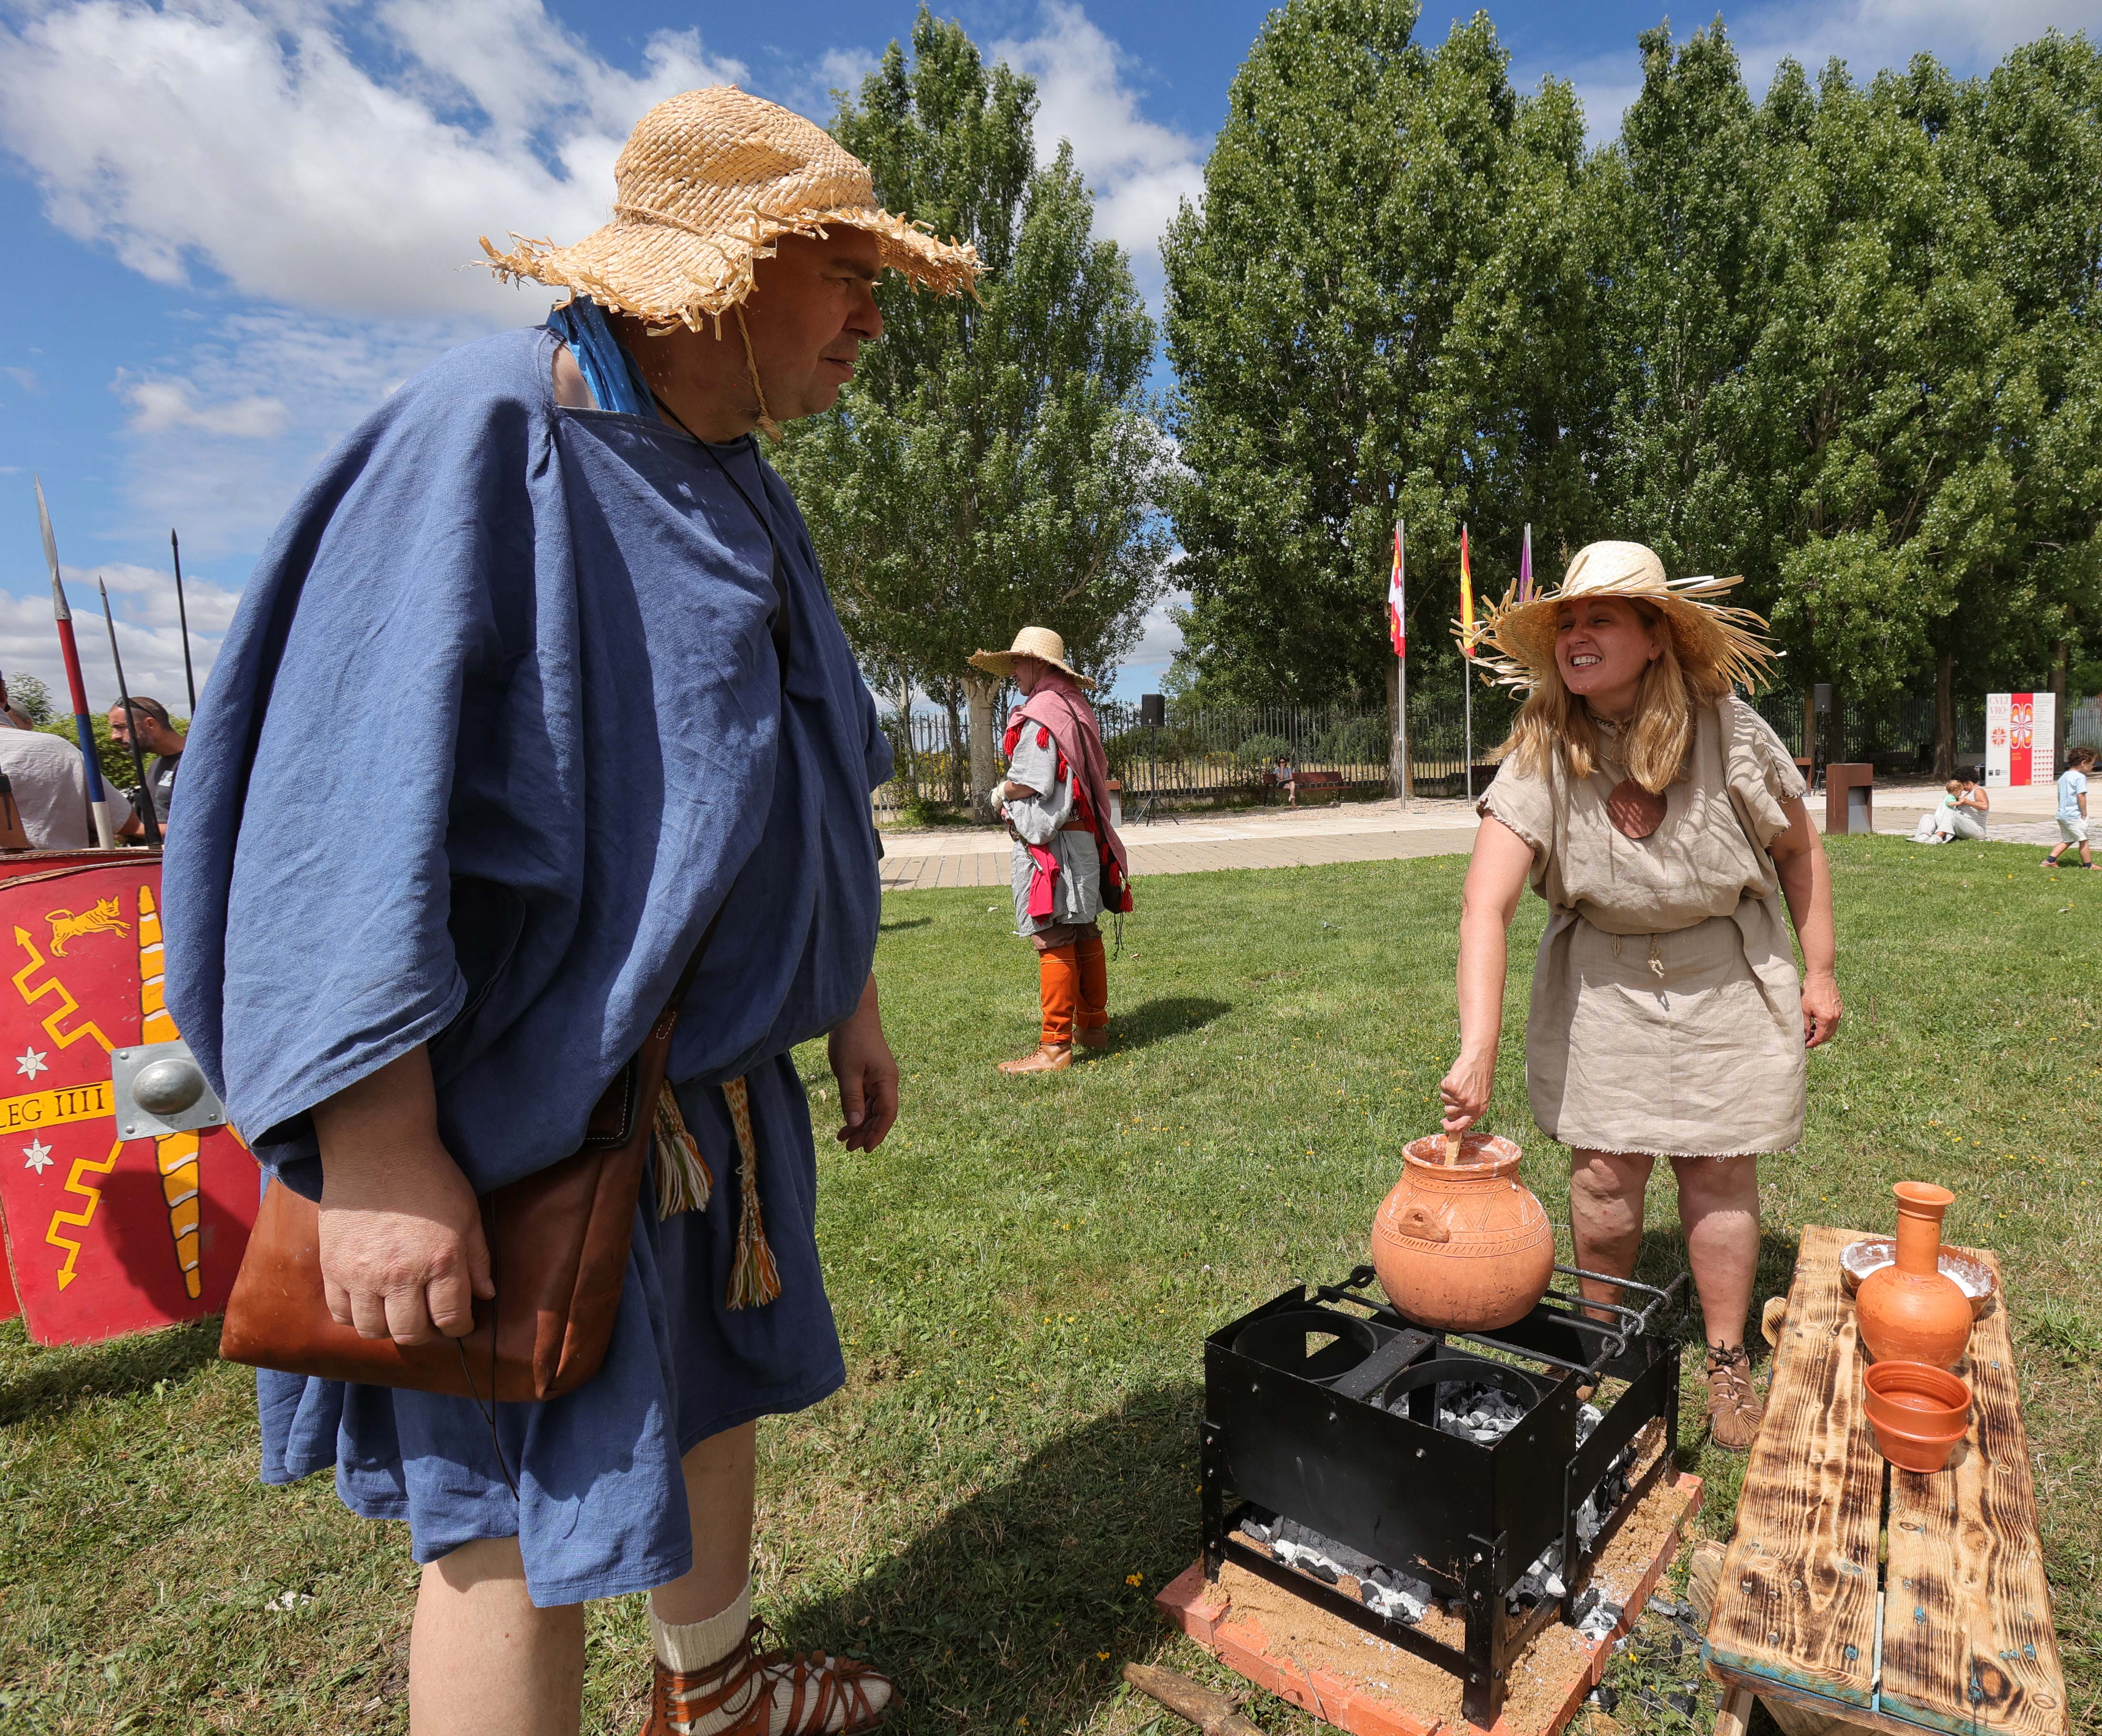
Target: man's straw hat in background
column 1038, row 642
column 708, row 183
column 1712, row 639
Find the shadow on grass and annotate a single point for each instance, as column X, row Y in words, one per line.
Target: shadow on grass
column 1018, row 1603
column 903, row 922
column 1175, row 1016
column 61, row 1376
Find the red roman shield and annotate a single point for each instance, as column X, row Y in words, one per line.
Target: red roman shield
column 104, row 1234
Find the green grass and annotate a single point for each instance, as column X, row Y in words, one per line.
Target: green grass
column 1023, row 1274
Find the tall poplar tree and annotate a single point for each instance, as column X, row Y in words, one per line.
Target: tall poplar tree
column 994, row 465
column 1382, row 310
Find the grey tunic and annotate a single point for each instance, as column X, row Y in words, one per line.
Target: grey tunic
column 1076, row 897
column 1666, row 1014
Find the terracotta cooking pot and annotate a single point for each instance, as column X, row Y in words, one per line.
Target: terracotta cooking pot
column 1462, row 1247
column 1917, row 1412
column 1908, row 1311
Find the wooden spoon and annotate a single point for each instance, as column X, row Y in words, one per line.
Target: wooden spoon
column 1451, row 1151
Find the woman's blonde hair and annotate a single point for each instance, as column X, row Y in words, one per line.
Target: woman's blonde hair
column 1655, row 742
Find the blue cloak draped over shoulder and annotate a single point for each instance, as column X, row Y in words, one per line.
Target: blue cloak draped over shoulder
column 502, row 642
column 499, row 727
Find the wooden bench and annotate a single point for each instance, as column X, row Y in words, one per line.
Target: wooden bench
column 1953, row 1631
column 1313, row 785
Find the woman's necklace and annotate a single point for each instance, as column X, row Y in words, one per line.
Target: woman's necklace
column 1635, row 812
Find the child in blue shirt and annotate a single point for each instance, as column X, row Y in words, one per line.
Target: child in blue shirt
column 2072, row 806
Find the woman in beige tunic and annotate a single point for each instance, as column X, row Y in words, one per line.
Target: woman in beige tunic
column 1662, row 820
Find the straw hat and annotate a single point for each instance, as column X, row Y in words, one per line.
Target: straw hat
column 1711, row 638
column 1038, row 642
column 708, row 183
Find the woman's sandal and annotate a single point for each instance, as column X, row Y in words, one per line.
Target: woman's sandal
column 827, row 1696
column 1735, row 1411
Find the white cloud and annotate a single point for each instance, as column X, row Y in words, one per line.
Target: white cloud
column 1160, row 639
column 223, row 435
column 143, row 600
column 1869, row 35
column 1139, row 171
column 25, row 378
column 158, row 405
column 249, row 141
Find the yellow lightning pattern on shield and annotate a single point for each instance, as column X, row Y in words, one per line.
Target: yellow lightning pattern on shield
column 65, row 1039
column 175, row 1154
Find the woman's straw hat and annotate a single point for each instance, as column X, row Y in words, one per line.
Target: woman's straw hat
column 1712, row 639
column 1038, row 642
column 708, row 183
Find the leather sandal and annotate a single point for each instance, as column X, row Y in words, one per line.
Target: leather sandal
column 1735, row 1410
column 1093, row 1037
column 827, row 1696
column 1048, row 1058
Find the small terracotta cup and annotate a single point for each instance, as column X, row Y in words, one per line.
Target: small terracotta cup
column 1918, row 1413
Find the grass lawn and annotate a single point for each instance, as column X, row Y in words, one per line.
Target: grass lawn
column 1023, row 1274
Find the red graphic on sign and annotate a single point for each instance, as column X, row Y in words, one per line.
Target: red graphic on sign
column 104, row 1234
column 2021, row 736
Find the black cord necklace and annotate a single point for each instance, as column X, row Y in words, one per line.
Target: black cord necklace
column 779, row 625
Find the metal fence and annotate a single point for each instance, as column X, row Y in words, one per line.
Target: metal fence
column 1225, row 753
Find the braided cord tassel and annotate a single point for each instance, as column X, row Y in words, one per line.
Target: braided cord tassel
column 753, row 1280
column 684, row 1180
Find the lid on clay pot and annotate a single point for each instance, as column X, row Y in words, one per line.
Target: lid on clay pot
column 1480, row 1154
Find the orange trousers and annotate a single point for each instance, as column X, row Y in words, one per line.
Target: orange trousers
column 1073, row 982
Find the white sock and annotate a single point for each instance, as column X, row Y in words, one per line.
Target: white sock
column 696, row 1645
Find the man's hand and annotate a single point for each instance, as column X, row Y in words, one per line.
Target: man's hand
column 1465, row 1091
column 402, row 1254
column 868, row 1073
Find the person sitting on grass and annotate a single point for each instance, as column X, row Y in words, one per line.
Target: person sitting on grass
column 1973, row 806
column 1937, row 824
column 2073, row 807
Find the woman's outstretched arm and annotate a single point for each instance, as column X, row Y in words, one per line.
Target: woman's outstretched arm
column 1496, row 878
column 1806, row 882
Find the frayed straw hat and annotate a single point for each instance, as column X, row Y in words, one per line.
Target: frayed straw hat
column 1711, row 639
column 1038, row 642
column 706, row 184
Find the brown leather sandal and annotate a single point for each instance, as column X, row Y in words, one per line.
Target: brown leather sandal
column 679, row 1699
column 1092, row 1036
column 822, row 1689
column 1735, row 1410
column 1048, row 1058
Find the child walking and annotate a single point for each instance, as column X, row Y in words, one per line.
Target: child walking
column 2072, row 806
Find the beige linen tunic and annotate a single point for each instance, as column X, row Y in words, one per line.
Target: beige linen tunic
column 1666, row 1011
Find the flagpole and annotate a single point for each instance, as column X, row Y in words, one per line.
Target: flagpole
column 1466, row 666
column 69, row 654
column 1401, row 659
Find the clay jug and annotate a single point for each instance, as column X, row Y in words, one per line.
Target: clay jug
column 1462, row 1247
column 1908, row 1311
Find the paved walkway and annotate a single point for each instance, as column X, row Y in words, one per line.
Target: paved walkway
column 1351, row 832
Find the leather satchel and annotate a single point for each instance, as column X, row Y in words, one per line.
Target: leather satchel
column 558, row 1243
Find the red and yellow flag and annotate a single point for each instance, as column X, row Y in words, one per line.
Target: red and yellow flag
column 1397, row 600
column 1466, row 599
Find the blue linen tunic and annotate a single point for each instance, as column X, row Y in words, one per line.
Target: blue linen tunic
column 499, row 727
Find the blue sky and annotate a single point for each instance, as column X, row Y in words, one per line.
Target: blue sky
column 236, row 224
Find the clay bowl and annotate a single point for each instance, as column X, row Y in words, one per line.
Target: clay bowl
column 1974, row 1277
column 1918, row 1413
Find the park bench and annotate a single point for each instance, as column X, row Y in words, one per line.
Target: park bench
column 1855, row 1595
column 1313, row 785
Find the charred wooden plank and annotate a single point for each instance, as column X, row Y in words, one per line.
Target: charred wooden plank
column 1967, row 1640
column 1796, row 1606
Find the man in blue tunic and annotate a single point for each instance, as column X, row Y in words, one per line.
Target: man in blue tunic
column 560, row 637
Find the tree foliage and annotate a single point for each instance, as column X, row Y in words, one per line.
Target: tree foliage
column 1842, row 340
column 994, row 465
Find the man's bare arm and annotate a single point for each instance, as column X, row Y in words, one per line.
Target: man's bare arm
column 401, row 1249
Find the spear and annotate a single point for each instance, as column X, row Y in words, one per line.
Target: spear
column 183, row 615
column 147, row 817
column 83, row 731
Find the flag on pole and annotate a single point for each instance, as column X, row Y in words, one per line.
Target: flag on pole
column 1397, row 599
column 1525, row 568
column 1466, row 599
